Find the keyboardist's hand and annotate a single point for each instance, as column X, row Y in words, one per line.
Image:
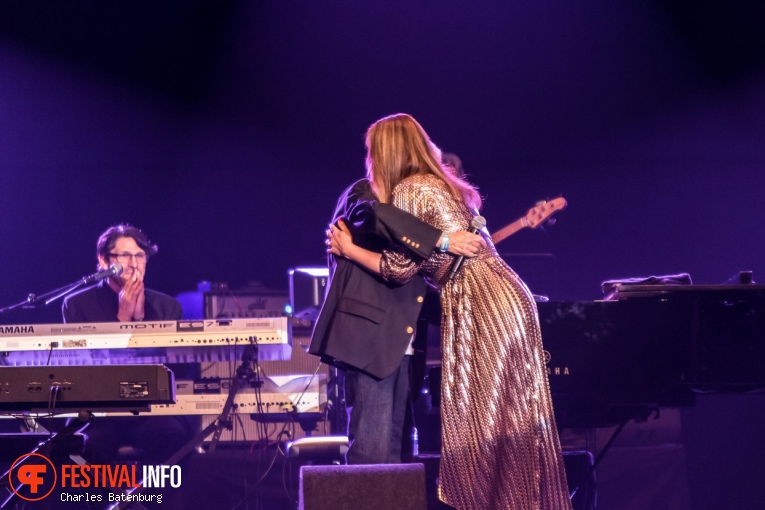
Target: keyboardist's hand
column 131, row 299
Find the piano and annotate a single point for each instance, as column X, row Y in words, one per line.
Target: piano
column 653, row 346
column 185, row 341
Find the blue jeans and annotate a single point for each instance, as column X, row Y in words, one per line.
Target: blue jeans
column 377, row 410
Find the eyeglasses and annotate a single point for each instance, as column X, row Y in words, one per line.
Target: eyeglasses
column 124, row 258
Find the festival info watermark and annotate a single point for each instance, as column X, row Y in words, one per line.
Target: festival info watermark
column 33, row 477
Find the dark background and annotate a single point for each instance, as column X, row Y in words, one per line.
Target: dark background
column 227, row 129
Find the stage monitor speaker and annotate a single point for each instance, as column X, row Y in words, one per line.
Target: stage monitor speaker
column 374, row 486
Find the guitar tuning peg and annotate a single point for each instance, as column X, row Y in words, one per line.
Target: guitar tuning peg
column 551, row 221
column 541, row 202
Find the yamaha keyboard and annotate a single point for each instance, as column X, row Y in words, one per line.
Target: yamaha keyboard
column 129, row 388
column 301, row 393
column 185, row 341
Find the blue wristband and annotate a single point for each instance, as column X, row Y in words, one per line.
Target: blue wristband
column 444, row 242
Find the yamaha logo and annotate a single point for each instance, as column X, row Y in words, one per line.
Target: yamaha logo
column 553, row 370
column 14, row 330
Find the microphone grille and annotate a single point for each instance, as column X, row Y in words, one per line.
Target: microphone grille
column 116, row 269
column 478, row 222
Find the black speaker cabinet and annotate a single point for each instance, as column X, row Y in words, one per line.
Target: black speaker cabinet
column 371, row 487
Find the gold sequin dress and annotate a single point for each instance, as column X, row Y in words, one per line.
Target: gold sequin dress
column 500, row 446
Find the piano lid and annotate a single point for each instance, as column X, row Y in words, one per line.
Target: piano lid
column 626, row 291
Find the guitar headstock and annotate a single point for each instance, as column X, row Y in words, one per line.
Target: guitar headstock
column 543, row 210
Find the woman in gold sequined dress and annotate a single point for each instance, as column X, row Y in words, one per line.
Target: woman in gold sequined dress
column 500, row 445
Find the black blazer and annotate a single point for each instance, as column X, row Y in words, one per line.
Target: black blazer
column 365, row 323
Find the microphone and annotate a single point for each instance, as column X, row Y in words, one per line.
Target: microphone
column 476, row 224
column 113, row 270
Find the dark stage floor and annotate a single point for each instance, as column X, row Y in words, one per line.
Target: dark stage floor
column 704, row 457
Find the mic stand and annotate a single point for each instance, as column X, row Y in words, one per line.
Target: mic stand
column 35, row 301
column 243, row 373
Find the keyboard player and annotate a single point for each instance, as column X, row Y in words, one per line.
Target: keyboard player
column 123, row 298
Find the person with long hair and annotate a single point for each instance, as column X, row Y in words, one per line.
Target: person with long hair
column 373, row 331
column 500, row 445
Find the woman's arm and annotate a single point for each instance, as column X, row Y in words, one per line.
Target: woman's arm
column 420, row 238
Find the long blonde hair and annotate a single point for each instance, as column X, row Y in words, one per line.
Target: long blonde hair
column 398, row 147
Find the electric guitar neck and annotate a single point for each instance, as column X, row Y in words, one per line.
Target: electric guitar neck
column 535, row 216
